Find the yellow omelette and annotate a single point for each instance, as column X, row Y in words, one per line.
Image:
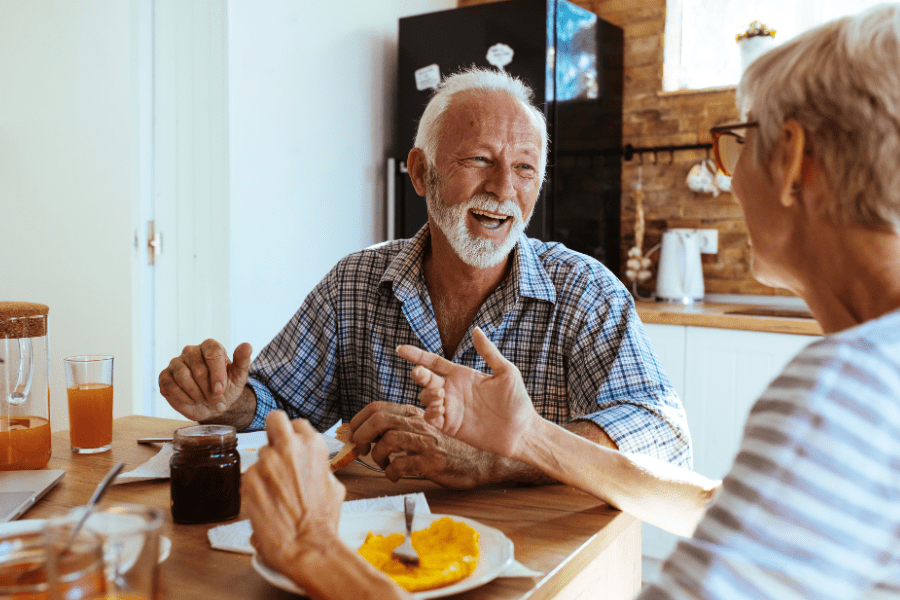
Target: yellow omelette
column 448, row 552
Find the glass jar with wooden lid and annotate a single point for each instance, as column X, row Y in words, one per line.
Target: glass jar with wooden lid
column 24, row 386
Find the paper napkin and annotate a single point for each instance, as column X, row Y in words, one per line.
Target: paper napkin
column 155, row 468
column 517, row 569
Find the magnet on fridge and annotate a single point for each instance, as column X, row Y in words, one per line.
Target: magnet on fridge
column 500, row 55
column 428, row 78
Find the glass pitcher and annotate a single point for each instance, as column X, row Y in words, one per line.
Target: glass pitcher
column 24, row 386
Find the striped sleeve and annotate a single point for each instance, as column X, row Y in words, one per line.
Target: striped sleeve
column 811, row 507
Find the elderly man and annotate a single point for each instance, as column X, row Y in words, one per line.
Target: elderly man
column 562, row 317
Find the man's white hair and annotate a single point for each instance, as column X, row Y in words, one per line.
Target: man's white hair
column 841, row 82
column 476, row 80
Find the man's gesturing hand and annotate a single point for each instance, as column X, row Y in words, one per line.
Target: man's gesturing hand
column 203, row 383
column 490, row 412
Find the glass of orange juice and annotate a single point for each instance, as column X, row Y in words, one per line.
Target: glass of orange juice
column 89, row 384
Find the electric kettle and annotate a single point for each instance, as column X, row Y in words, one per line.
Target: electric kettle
column 24, row 386
column 680, row 275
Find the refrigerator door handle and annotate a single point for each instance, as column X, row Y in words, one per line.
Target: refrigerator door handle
column 391, row 196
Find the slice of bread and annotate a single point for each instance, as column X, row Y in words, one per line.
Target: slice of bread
column 348, row 453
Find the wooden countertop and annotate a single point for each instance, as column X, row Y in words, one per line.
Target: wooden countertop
column 583, row 546
column 746, row 317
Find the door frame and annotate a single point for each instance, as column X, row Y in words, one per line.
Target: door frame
column 184, row 295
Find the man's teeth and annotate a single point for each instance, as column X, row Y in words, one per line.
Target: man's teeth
column 489, row 220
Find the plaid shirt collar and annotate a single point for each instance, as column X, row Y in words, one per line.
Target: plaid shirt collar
column 406, row 273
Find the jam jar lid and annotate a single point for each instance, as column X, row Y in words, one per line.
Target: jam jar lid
column 205, row 436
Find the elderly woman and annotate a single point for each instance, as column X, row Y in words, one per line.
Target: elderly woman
column 811, row 508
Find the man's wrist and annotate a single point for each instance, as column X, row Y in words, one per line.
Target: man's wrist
column 240, row 414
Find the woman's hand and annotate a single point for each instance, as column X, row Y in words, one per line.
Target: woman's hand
column 492, row 413
column 292, row 498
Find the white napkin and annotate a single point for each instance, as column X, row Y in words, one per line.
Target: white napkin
column 158, row 467
column 235, row 537
column 517, row 569
column 155, row 468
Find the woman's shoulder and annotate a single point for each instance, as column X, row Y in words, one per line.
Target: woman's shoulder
column 848, row 377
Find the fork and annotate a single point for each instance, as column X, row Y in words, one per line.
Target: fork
column 405, row 552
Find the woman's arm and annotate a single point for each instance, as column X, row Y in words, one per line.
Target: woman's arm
column 294, row 504
column 495, row 413
column 654, row 491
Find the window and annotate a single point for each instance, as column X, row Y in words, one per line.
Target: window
column 701, row 51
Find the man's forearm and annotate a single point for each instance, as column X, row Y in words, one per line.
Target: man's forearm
column 240, row 414
column 507, row 470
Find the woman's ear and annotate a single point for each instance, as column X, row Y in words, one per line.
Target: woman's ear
column 786, row 164
column 417, row 166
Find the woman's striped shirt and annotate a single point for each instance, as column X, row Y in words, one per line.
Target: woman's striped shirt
column 811, row 507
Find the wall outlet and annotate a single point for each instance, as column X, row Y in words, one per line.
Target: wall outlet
column 709, row 240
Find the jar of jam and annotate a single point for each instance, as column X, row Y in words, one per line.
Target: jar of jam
column 206, row 474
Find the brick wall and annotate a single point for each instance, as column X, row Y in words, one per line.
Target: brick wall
column 655, row 118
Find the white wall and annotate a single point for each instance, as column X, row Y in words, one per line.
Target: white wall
column 311, row 110
column 67, row 178
column 311, row 92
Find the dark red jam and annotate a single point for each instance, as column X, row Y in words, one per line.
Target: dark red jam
column 206, row 474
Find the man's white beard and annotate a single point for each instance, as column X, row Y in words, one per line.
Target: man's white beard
column 475, row 251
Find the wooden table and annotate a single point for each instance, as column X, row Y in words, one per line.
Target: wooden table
column 584, row 547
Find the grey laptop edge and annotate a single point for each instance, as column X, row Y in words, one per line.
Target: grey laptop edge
column 19, row 490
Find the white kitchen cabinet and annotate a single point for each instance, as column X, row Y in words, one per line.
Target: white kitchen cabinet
column 719, row 374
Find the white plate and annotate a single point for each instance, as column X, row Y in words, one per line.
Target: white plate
column 29, row 525
column 495, row 549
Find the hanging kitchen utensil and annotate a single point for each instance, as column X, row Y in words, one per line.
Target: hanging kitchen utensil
column 637, row 267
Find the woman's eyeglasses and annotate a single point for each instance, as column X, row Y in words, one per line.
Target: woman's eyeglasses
column 728, row 141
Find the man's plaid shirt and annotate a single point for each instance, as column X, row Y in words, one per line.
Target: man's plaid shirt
column 561, row 317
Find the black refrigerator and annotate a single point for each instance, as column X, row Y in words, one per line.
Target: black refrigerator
column 573, row 61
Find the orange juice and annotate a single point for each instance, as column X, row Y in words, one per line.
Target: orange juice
column 24, row 443
column 80, row 576
column 24, row 571
column 90, row 415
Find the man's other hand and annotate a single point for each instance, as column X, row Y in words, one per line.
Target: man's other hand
column 405, row 445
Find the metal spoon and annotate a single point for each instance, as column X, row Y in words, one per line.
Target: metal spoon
column 95, row 497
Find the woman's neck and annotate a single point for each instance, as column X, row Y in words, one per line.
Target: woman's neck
column 855, row 278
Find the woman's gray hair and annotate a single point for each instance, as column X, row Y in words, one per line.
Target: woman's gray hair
column 475, row 80
column 841, row 82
